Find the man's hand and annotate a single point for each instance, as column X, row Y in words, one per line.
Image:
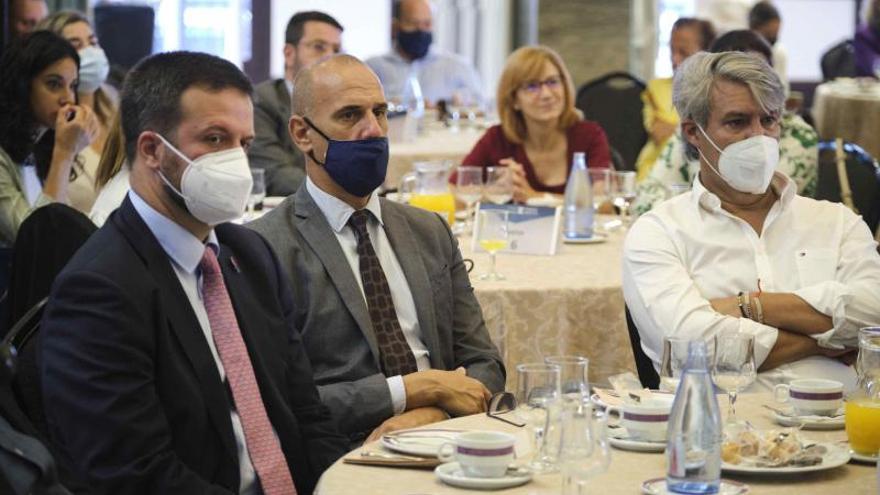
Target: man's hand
column 728, row 306
column 453, row 391
column 845, row 356
column 409, row 419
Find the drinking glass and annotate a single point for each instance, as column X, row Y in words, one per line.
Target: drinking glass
column 862, row 407
column 734, row 366
column 537, row 388
column 600, row 178
column 573, row 377
column 672, row 363
column 469, row 190
column 584, row 450
column 499, row 185
column 623, row 190
column 492, row 236
column 258, row 190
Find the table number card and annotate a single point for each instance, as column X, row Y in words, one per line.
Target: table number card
column 531, row 229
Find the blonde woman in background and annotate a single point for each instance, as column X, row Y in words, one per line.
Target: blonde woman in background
column 93, row 93
column 111, row 179
column 689, row 36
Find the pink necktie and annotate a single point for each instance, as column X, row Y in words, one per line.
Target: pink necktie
column 262, row 445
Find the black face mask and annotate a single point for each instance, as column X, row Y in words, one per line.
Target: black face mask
column 358, row 166
column 415, row 43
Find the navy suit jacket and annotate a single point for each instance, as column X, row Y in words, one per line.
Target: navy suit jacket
column 132, row 394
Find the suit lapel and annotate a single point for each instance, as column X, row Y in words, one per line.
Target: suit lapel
column 317, row 232
column 407, row 251
column 181, row 318
column 283, row 96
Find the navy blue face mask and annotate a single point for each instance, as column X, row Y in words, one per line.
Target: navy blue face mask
column 358, row 166
column 415, row 43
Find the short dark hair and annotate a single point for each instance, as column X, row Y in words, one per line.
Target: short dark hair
column 150, row 97
column 743, row 40
column 704, row 27
column 762, row 13
column 23, row 60
column 296, row 24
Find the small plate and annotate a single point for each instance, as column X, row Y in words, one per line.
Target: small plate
column 810, row 422
column 869, row 459
column 423, row 443
column 836, row 456
column 619, row 438
column 657, row 486
column 596, row 239
column 451, row 474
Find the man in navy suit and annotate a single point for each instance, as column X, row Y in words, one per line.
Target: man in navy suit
column 168, row 355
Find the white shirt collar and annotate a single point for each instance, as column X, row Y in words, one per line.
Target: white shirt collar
column 784, row 187
column 181, row 246
column 337, row 211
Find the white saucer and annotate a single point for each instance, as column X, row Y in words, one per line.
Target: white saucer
column 657, row 486
column 869, row 459
column 596, row 239
column 810, row 422
column 451, row 474
column 623, row 442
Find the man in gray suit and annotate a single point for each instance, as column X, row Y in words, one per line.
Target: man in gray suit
column 391, row 325
column 310, row 36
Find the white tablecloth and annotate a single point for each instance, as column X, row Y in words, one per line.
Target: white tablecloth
column 435, row 143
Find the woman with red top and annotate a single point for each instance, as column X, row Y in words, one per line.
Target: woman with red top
column 540, row 127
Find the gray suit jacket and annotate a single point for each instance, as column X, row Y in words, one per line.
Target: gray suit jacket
column 272, row 149
column 332, row 315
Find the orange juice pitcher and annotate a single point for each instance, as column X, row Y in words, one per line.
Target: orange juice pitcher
column 427, row 187
column 863, row 406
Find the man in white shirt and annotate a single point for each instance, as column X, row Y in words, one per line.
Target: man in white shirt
column 392, row 328
column 441, row 76
column 742, row 252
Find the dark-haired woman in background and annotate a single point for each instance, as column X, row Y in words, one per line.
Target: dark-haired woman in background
column 93, row 93
column 40, row 124
column 689, row 36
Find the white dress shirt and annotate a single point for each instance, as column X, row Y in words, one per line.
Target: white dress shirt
column 185, row 252
column 689, row 250
column 337, row 213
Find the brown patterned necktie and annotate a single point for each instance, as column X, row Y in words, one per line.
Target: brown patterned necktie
column 395, row 354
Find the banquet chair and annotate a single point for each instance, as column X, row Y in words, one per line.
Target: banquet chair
column 839, row 61
column 614, row 101
column 644, row 366
column 26, row 384
column 863, row 174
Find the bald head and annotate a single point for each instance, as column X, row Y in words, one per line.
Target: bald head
column 317, row 83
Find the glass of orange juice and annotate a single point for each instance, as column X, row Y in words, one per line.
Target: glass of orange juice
column 863, row 407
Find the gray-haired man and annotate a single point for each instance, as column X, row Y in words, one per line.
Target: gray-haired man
column 743, row 252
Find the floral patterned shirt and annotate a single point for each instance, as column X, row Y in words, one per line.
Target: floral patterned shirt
column 674, row 173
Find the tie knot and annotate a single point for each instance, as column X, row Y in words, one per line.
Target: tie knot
column 358, row 222
column 209, row 264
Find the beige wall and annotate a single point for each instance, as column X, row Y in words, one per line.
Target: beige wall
column 591, row 35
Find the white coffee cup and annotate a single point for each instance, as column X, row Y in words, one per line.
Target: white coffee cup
column 481, row 454
column 811, row 396
column 646, row 420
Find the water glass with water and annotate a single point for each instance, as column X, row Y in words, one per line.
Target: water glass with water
column 584, row 451
column 537, row 388
column 574, row 381
column 499, row 185
column 734, row 368
column 673, row 361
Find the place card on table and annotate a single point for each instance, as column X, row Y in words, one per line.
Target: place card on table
column 531, row 229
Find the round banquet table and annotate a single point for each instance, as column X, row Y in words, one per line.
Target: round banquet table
column 435, row 143
column 625, row 475
column 570, row 303
column 849, row 109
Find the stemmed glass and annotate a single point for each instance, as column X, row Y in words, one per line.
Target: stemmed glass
column 499, row 185
column 258, row 190
column 623, row 190
column 672, row 363
column 469, row 190
column 600, row 178
column 584, row 448
column 734, row 366
column 492, row 236
column 574, row 377
column 537, row 388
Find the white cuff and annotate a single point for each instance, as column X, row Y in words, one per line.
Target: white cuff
column 398, row 393
column 829, row 298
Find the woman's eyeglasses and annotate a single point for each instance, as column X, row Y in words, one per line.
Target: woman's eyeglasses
column 500, row 403
column 534, row 87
